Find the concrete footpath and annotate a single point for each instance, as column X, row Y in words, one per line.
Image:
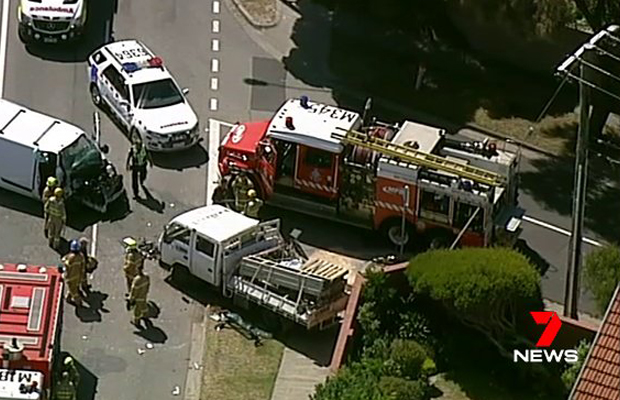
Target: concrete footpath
column 297, row 377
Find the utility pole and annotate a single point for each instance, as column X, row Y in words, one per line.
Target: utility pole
column 571, row 292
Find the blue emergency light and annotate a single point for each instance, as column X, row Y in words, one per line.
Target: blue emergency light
column 130, row 67
column 304, row 102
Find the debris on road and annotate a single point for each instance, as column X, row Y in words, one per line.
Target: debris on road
column 141, row 351
column 176, row 391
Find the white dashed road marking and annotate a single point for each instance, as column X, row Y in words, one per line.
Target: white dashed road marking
column 215, row 45
column 215, row 26
column 214, row 133
column 559, row 230
column 213, row 104
column 215, row 65
column 214, row 84
column 216, row 7
column 3, row 42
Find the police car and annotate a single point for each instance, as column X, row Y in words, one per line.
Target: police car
column 135, row 87
column 51, row 21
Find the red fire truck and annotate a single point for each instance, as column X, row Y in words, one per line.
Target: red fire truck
column 30, row 312
column 398, row 179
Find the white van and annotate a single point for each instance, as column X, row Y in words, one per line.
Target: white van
column 34, row 146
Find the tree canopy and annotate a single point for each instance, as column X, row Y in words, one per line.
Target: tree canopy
column 488, row 289
column 601, row 274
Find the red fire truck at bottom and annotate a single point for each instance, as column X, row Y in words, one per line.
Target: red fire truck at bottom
column 323, row 161
column 30, row 312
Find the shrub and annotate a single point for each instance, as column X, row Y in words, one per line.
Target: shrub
column 602, row 274
column 569, row 376
column 488, row 289
column 402, row 389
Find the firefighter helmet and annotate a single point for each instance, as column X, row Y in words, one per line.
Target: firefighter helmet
column 58, row 192
column 52, row 182
column 130, row 243
column 251, row 193
column 68, row 361
column 75, row 246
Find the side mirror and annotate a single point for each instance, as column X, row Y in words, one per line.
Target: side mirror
column 105, row 149
column 185, row 90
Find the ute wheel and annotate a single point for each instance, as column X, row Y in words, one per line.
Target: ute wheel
column 95, row 95
column 392, row 232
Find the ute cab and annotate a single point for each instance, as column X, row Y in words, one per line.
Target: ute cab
column 142, row 94
column 210, row 241
column 294, row 150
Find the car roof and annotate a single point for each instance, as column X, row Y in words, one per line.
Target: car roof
column 134, row 51
column 313, row 126
column 34, row 129
column 216, row 222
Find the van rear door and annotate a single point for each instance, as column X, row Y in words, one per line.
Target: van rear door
column 17, row 166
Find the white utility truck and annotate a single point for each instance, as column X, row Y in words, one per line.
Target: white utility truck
column 34, row 146
column 251, row 260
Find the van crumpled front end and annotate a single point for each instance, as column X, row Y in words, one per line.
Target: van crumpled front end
column 98, row 191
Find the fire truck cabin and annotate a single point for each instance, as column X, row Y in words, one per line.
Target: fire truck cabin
column 30, row 304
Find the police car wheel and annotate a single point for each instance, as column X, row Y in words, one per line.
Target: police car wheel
column 95, row 95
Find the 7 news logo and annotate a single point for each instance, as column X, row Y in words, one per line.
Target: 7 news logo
column 542, row 354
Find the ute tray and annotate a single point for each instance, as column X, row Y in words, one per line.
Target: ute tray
column 317, row 278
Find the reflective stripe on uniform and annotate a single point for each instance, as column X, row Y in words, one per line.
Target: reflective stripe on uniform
column 55, row 208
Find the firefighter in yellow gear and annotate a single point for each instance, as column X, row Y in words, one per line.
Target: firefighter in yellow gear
column 138, row 296
column 55, row 217
column 91, row 264
column 68, row 365
column 51, row 185
column 65, row 389
column 240, row 187
column 253, row 206
column 133, row 261
column 75, row 268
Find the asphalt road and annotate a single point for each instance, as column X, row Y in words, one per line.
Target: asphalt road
column 54, row 80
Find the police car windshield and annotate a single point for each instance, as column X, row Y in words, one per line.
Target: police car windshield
column 156, row 94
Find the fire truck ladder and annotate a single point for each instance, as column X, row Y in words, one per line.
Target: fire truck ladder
column 413, row 156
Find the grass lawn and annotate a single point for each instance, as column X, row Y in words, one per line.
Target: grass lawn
column 264, row 11
column 475, row 387
column 236, row 370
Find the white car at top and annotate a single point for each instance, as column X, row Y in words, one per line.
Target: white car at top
column 51, row 21
column 136, row 88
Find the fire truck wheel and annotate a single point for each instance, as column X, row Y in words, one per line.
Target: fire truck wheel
column 392, row 231
column 440, row 239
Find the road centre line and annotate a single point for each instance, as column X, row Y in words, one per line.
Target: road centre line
column 212, row 168
column 559, row 230
column 216, row 7
column 213, row 104
column 215, row 45
column 4, row 42
column 214, row 84
column 215, row 26
column 215, row 65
